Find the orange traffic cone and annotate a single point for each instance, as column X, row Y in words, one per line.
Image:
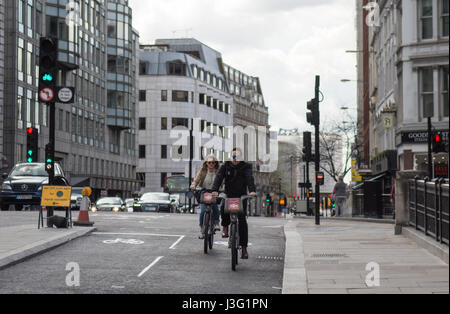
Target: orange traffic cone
column 83, row 215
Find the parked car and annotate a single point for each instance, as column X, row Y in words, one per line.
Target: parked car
column 23, row 185
column 156, row 202
column 114, row 204
column 76, row 198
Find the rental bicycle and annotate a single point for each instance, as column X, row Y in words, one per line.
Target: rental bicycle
column 207, row 198
column 234, row 207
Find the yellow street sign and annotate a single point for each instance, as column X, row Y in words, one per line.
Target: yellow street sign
column 56, row 196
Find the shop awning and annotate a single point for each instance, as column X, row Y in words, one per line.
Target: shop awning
column 360, row 185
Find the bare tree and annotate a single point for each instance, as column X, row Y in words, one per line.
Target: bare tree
column 336, row 149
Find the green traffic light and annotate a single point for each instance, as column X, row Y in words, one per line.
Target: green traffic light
column 49, row 160
column 30, row 153
column 47, row 77
column 30, row 159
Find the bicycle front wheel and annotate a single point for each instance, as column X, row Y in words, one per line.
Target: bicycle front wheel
column 205, row 233
column 234, row 251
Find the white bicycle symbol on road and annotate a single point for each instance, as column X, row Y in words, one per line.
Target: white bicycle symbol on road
column 125, row 241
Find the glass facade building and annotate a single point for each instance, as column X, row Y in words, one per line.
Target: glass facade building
column 94, row 136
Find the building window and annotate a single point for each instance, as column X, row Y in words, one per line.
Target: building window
column 180, row 95
column 426, row 17
column 176, row 68
column 140, row 177
column 163, row 151
column 163, row 123
column 142, row 95
column 201, row 99
column 141, row 151
column 180, row 122
column 444, row 17
column 208, row 101
column 142, row 68
column 215, row 104
column 444, row 90
column 163, row 178
column 142, row 123
column 164, row 95
column 426, row 92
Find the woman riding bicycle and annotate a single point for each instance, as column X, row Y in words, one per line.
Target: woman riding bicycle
column 205, row 179
column 238, row 177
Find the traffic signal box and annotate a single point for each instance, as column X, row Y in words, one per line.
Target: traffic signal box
column 49, row 159
column 313, row 116
column 32, row 144
column 48, row 68
column 307, row 145
column 438, row 145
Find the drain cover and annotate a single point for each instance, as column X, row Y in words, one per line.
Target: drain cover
column 270, row 258
column 328, row 255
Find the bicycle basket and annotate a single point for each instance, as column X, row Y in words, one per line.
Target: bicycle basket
column 207, row 198
column 233, row 206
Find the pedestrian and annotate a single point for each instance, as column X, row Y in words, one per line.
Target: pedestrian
column 340, row 194
column 238, row 176
column 205, row 179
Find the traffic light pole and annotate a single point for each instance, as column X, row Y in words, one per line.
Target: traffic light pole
column 307, row 188
column 317, row 150
column 51, row 174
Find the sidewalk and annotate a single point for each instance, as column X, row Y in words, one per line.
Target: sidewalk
column 332, row 258
column 19, row 239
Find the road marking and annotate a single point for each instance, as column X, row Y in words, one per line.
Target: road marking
column 178, row 241
column 125, row 241
column 150, row 266
column 138, row 234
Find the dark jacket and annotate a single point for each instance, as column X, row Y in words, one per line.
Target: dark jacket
column 238, row 179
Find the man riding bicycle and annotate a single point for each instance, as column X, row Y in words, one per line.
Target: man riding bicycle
column 238, row 176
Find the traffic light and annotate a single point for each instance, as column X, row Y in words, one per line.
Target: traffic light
column 32, row 145
column 268, row 199
column 438, row 144
column 312, row 117
column 48, row 68
column 307, row 145
column 49, row 159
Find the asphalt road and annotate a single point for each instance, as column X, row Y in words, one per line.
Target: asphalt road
column 153, row 253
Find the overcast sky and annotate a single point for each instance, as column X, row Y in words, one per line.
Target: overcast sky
column 283, row 42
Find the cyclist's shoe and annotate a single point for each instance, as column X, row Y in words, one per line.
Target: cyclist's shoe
column 225, row 233
column 244, row 253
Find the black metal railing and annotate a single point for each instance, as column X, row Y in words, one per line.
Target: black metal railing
column 428, row 207
column 387, row 210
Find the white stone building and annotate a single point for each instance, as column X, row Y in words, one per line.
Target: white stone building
column 181, row 86
column 422, row 69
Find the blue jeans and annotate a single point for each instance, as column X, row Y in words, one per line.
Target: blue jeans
column 215, row 209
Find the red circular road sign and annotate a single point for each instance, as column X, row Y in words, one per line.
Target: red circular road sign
column 46, row 94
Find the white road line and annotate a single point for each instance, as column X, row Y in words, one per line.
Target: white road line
column 150, row 266
column 138, row 234
column 178, row 241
